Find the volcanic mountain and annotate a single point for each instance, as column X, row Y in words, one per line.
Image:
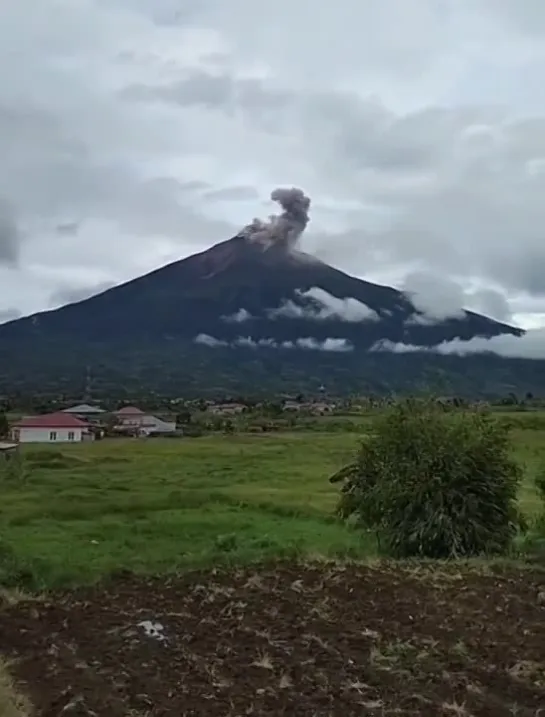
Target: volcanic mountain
column 248, row 306
column 239, row 289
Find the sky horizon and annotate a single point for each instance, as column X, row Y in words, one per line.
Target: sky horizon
column 136, row 132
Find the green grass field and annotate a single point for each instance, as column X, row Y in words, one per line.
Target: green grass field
column 161, row 505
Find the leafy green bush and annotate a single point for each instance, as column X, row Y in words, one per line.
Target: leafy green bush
column 435, row 484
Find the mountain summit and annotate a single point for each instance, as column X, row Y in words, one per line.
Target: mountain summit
column 255, row 291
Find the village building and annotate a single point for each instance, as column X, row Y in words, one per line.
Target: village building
column 59, row 427
column 226, row 409
column 131, row 419
column 93, row 414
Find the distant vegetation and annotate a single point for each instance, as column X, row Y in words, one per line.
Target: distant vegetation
column 185, row 369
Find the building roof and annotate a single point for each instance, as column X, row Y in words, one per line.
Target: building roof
column 60, row 419
column 84, row 408
column 129, row 411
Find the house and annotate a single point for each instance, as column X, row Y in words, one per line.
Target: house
column 227, row 409
column 93, row 414
column 129, row 417
column 153, row 424
column 59, row 427
column 321, row 407
column 133, row 420
column 290, row 405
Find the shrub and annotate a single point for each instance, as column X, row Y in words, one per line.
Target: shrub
column 4, row 425
column 435, row 484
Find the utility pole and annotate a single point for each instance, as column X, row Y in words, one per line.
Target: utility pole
column 88, row 385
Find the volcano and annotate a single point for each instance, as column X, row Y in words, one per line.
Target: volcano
column 225, row 319
column 239, row 289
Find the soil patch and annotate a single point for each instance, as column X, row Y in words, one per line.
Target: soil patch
column 318, row 640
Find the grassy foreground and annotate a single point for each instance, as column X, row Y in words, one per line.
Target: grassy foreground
column 162, row 505
column 165, row 504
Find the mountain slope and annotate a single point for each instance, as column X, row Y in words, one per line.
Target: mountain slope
column 199, row 294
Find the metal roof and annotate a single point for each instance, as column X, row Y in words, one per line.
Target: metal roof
column 83, row 408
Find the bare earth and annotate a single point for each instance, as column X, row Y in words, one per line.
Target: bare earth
column 318, row 640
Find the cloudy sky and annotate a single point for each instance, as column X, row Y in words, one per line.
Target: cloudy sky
column 136, row 132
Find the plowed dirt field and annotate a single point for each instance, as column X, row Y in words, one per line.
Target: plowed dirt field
column 315, row 640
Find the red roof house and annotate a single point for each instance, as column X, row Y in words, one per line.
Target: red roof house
column 130, row 417
column 129, row 411
column 50, row 428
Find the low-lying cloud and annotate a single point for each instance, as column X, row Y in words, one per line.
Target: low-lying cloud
column 531, row 346
column 324, row 306
column 439, row 298
column 306, row 343
column 435, row 299
column 238, row 317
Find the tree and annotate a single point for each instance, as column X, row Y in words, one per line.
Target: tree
column 183, row 418
column 4, row 425
column 435, row 484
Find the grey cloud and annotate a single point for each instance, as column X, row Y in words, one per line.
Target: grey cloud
column 440, row 176
column 9, row 314
column 527, row 17
column 232, row 194
column 444, row 182
column 10, row 235
column 73, row 294
column 491, row 303
column 436, row 298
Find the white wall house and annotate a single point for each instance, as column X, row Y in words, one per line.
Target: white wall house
column 152, row 424
column 133, row 419
column 130, row 417
column 51, row 428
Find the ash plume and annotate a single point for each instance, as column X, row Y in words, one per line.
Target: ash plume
column 282, row 229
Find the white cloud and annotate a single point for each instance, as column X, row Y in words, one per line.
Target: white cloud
column 207, row 340
column 307, row 343
column 249, row 342
column 441, row 297
column 531, row 345
column 436, row 298
column 324, row 306
column 133, row 133
column 238, row 317
column 329, row 344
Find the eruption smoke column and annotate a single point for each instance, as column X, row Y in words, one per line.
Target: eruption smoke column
column 283, row 229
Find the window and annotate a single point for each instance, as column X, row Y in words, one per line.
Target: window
column 71, row 435
column 53, row 436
